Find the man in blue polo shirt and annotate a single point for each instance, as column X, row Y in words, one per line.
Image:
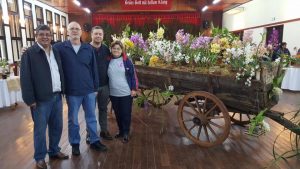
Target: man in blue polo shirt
column 81, row 77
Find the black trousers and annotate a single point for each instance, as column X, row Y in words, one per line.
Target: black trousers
column 122, row 107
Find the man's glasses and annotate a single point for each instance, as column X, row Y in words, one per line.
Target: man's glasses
column 44, row 34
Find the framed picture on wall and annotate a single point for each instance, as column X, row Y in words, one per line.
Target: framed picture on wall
column 274, row 35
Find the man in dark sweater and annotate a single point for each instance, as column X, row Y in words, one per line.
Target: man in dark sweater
column 102, row 53
column 81, row 76
column 42, row 82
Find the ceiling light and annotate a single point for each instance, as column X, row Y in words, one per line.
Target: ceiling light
column 204, row 8
column 87, row 10
column 76, row 2
column 216, row 1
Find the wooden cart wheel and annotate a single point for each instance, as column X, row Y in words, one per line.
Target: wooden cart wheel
column 240, row 118
column 203, row 118
column 155, row 97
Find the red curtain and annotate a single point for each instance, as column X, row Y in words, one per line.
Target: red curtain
column 139, row 19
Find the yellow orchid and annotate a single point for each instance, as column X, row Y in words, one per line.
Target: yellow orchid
column 215, row 48
column 127, row 43
column 160, row 33
column 153, row 60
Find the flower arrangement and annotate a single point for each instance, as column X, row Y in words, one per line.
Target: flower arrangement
column 222, row 50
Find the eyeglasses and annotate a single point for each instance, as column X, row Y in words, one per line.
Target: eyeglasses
column 44, row 34
column 74, row 29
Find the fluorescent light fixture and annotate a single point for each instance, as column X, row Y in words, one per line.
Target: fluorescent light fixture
column 216, row 1
column 235, row 10
column 204, row 8
column 76, row 2
column 87, row 10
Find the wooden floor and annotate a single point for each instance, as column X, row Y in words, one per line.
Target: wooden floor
column 156, row 142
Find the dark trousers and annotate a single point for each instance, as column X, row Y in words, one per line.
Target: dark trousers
column 122, row 107
column 102, row 100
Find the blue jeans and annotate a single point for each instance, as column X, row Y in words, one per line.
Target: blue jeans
column 88, row 103
column 47, row 113
column 122, row 107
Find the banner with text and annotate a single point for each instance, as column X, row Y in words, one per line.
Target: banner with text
column 146, row 5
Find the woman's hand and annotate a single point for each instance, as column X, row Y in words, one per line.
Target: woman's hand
column 133, row 93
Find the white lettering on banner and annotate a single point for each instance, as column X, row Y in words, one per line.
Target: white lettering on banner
column 163, row 2
column 144, row 2
column 152, row 2
column 129, row 2
column 137, row 2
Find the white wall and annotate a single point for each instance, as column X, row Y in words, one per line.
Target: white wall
column 262, row 12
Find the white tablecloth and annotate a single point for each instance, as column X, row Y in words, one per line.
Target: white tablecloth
column 9, row 97
column 291, row 79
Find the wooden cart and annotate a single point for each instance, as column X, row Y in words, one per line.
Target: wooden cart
column 212, row 101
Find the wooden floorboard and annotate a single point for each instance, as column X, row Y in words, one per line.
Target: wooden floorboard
column 156, row 142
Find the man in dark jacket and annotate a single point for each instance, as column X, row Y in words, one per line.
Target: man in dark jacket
column 80, row 70
column 42, row 83
column 102, row 53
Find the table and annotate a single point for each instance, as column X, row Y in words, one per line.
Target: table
column 291, row 79
column 10, row 91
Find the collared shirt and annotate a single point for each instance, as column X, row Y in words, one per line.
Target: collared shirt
column 55, row 76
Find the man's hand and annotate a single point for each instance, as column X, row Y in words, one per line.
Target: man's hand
column 24, row 48
column 33, row 106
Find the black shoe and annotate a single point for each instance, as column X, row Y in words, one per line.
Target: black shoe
column 98, row 146
column 117, row 136
column 60, row 156
column 41, row 164
column 75, row 149
column 125, row 139
column 105, row 135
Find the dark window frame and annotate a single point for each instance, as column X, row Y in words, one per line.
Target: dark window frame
column 64, row 26
column 31, row 39
column 39, row 20
column 2, row 37
column 57, row 25
column 18, row 39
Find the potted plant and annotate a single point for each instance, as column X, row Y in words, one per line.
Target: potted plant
column 257, row 125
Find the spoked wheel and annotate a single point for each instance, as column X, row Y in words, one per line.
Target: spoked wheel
column 156, row 98
column 240, row 118
column 203, row 118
